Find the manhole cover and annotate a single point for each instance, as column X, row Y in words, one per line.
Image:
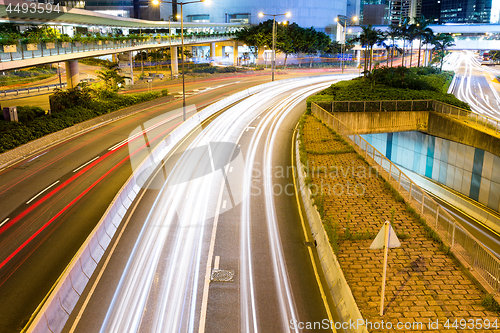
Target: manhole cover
column 220, row 275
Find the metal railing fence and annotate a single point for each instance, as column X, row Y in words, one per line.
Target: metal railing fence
column 460, row 241
column 59, row 48
column 485, row 122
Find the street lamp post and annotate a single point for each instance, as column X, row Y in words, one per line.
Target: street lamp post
column 344, row 27
column 273, row 59
column 157, row 2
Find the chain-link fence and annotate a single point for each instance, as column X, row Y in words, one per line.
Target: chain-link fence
column 463, row 244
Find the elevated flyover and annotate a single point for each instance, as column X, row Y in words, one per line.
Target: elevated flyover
column 66, row 19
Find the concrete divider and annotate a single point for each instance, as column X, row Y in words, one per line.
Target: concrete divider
column 53, row 313
column 345, row 303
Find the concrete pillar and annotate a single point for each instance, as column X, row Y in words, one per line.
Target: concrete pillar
column 72, row 73
column 212, row 51
column 131, row 60
column 235, row 53
column 173, row 60
column 358, row 56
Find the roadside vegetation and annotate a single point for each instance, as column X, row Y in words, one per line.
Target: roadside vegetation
column 26, row 75
column 392, row 83
column 70, row 107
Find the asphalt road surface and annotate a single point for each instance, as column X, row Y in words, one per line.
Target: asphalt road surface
column 50, row 202
column 237, row 221
column 474, row 83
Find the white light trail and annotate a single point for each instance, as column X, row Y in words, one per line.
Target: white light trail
column 161, row 288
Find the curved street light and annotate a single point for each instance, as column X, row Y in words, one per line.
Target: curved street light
column 156, row 3
column 273, row 59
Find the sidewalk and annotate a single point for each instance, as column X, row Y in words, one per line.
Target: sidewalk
column 426, row 288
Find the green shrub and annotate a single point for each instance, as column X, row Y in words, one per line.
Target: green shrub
column 33, row 123
column 364, row 90
column 164, row 92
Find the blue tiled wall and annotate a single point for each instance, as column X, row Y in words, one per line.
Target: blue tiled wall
column 468, row 170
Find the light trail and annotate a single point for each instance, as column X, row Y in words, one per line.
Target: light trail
column 472, row 88
column 161, row 287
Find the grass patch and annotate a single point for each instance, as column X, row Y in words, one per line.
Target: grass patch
column 490, row 303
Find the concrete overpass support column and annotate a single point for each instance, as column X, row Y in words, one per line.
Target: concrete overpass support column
column 131, row 60
column 358, row 56
column 212, row 51
column 72, row 73
column 235, row 53
column 173, row 60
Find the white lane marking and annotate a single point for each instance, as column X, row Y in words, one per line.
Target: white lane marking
column 36, row 196
column 231, row 169
column 249, row 127
column 223, row 204
column 195, row 90
column 4, row 221
column 208, row 272
column 216, row 262
column 118, row 144
column 84, row 165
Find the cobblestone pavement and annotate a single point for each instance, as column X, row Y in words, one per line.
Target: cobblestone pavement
column 424, row 284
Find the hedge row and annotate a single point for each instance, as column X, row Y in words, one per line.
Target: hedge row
column 363, row 90
column 34, row 123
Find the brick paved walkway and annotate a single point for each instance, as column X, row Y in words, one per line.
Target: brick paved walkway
column 423, row 283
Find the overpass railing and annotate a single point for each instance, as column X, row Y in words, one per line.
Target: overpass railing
column 38, row 50
column 462, row 243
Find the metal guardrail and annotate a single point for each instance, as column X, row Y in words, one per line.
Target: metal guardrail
column 480, row 120
column 460, row 241
column 70, row 47
column 36, row 89
column 378, row 106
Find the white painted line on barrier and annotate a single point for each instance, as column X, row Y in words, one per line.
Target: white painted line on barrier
column 216, row 262
column 4, row 221
column 36, row 196
column 84, row 165
column 231, row 169
column 37, row 156
column 223, row 204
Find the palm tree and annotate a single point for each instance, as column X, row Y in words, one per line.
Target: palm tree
column 412, row 34
column 428, row 40
column 403, row 34
column 422, row 30
column 392, row 33
column 369, row 37
column 441, row 42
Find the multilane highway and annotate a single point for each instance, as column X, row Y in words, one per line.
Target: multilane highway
column 237, row 222
column 474, row 83
column 50, row 201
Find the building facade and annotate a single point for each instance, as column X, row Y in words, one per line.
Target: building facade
column 460, row 11
column 318, row 14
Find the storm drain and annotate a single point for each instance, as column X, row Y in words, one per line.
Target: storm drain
column 219, row 275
